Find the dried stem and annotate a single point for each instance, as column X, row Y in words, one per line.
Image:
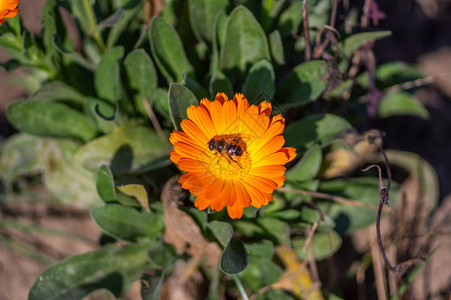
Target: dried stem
column 154, row 120
column 308, row 50
column 333, row 15
column 384, row 197
column 310, row 236
column 330, row 197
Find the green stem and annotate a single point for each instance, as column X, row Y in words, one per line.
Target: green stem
column 92, row 25
column 240, row 287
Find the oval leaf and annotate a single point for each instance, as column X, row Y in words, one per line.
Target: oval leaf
column 308, row 167
column 350, row 218
column 111, row 268
column 57, row 90
column 138, row 191
column 141, row 73
column 325, row 244
column 127, row 223
column 234, row 258
column 315, row 128
column 355, row 41
column 127, row 149
column 259, row 84
column 180, row 98
column 105, row 184
column 223, row 231
column 203, row 14
column 401, row 103
column 219, row 83
column 276, row 45
column 244, row 43
column 107, row 77
column 168, row 52
column 50, row 119
column 303, row 85
column 19, row 156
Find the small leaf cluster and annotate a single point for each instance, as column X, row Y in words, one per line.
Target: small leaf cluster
column 104, row 100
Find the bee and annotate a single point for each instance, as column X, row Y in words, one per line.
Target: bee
column 231, row 145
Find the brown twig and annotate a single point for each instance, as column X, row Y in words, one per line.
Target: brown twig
column 308, row 50
column 333, row 15
column 153, row 119
column 384, row 197
column 310, row 234
column 334, row 198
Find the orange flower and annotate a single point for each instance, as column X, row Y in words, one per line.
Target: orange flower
column 8, row 9
column 232, row 153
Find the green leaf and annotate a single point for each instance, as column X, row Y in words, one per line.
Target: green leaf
column 132, row 8
column 245, row 43
column 128, row 148
column 160, row 99
column 356, row 41
column 234, row 258
column 63, row 177
column 57, row 90
column 401, row 103
column 111, row 267
column 223, row 231
column 277, row 49
column 168, row 52
column 276, row 228
column 419, row 168
column 151, row 290
column 365, row 189
column 197, row 89
column 141, row 73
column 303, row 85
column 219, row 83
column 102, row 113
column 261, row 271
column 50, row 119
column 219, row 26
column 161, row 254
column 49, row 27
column 259, row 84
column 203, row 14
column 310, row 215
column 180, row 98
column 137, row 191
column 19, row 157
column 72, row 55
column 397, row 72
column 290, row 19
column 110, row 21
column 313, row 129
column 249, row 229
column 127, row 223
column 107, row 76
column 105, row 184
column 325, row 244
column 308, row 167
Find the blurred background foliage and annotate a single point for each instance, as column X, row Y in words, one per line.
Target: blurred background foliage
column 109, row 80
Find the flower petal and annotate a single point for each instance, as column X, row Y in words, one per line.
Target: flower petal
column 235, row 211
column 264, row 184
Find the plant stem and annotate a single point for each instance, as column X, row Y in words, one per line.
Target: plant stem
column 154, row 120
column 329, row 197
column 92, row 25
column 240, row 287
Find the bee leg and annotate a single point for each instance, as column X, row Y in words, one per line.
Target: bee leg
column 234, row 161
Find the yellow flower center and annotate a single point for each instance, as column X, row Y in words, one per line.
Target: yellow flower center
column 229, row 158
